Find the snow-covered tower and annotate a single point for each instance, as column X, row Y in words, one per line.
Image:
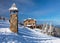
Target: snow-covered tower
column 13, row 18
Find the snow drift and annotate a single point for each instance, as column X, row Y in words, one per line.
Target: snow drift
column 24, row 35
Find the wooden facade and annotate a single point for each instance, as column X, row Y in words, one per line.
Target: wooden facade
column 30, row 23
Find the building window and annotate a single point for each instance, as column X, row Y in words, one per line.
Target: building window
column 33, row 23
column 29, row 21
column 26, row 23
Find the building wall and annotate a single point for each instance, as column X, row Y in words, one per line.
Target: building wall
column 14, row 23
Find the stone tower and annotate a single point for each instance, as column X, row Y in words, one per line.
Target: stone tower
column 13, row 18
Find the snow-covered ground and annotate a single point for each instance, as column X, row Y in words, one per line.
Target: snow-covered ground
column 24, row 35
column 4, row 30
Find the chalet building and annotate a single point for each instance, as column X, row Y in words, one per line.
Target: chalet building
column 31, row 23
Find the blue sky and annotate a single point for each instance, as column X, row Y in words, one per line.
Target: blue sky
column 41, row 10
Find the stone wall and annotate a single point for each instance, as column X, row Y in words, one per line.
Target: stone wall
column 14, row 23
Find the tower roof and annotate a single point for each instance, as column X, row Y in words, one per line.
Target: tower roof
column 13, row 7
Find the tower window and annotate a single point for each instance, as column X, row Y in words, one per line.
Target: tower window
column 33, row 23
column 14, row 11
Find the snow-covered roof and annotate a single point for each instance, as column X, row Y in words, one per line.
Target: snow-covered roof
column 29, row 19
column 13, row 7
column 24, row 19
column 35, row 19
